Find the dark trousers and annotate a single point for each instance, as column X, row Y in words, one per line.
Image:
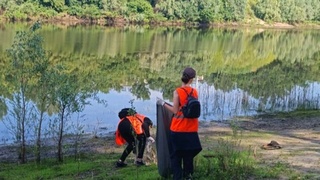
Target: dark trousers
column 182, row 164
column 127, row 133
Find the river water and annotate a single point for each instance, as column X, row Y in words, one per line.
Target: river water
column 245, row 71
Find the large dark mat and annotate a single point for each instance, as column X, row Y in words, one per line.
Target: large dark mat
column 163, row 145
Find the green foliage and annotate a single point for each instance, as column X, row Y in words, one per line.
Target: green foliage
column 27, row 56
column 28, row 10
column 26, row 52
column 110, row 5
column 227, row 161
column 292, row 11
column 268, row 10
column 31, row 72
column 234, row 10
column 167, row 9
column 312, row 9
column 9, row 4
column 75, row 11
column 140, row 7
column 71, row 3
column 57, row 5
column 87, row 11
column 210, row 11
column 13, row 13
column 190, row 11
column 46, row 13
column 90, row 11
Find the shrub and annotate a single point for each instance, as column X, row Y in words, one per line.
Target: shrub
column 15, row 15
column 75, row 11
column 140, row 7
column 47, row 13
column 91, row 11
column 228, row 160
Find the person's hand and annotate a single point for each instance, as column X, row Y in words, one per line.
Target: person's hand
column 160, row 101
column 151, row 139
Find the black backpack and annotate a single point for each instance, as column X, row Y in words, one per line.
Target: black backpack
column 192, row 108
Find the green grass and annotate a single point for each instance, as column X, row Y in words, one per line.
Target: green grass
column 93, row 166
column 228, row 160
column 223, row 158
column 297, row 113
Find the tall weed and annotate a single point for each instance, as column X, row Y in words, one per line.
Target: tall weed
column 227, row 159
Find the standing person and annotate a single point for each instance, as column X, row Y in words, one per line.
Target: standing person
column 183, row 131
column 133, row 129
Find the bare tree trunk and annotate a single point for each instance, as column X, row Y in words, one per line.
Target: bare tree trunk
column 23, row 139
column 23, row 150
column 38, row 143
column 60, row 154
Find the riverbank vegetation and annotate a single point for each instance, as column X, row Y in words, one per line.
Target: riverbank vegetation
column 227, row 159
column 230, row 151
column 194, row 12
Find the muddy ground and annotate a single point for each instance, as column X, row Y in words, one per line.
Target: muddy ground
column 298, row 137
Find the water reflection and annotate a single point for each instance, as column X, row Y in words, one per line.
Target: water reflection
column 216, row 105
column 220, row 105
column 246, row 71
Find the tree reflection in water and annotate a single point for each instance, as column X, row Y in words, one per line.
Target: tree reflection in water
column 245, row 71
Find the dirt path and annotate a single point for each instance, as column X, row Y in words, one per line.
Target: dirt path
column 299, row 139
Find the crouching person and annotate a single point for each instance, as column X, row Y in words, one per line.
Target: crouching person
column 133, row 129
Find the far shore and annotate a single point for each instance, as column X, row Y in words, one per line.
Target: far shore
column 66, row 20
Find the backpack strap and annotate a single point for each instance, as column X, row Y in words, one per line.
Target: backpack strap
column 187, row 91
column 188, row 95
column 139, row 119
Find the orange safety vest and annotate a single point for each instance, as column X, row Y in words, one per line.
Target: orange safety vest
column 136, row 122
column 140, row 117
column 119, row 139
column 179, row 123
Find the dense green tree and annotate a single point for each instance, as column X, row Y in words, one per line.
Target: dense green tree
column 166, row 8
column 268, row 10
column 315, row 6
column 57, row 5
column 110, row 5
column 210, row 11
column 190, row 11
column 90, row 12
column 234, row 10
column 140, row 7
column 292, row 11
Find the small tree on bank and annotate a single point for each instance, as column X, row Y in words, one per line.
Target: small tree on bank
column 27, row 57
column 37, row 87
column 69, row 98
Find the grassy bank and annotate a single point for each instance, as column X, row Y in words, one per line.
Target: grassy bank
column 230, row 151
column 226, row 161
column 226, row 155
